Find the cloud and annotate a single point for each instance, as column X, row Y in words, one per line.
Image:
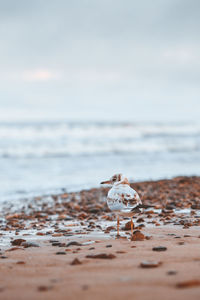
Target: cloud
column 182, row 55
column 40, row 75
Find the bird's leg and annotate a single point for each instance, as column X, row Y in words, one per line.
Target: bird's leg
column 131, row 226
column 117, row 225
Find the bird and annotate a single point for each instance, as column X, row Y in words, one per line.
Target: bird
column 122, row 199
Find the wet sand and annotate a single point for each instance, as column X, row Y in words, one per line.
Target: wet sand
column 61, row 234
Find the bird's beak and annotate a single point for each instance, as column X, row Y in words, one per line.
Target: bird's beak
column 106, row 182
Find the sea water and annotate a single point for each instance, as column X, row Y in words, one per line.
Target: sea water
column 41, row 158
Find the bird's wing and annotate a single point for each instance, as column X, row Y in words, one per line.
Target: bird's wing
column 126, row 194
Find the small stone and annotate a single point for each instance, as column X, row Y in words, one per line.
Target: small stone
column 108, row 246
column 20, row 262
column 127, row 226
column 57, row 234
column 17, row 242
column 171, row 272
column 137, row 236
column 188, row 284
column 73, row 243
column 181, row 243
column 102, row 256
column 29, row 244
column 76, row 261
column 150, row 264
column 159, row 248
column 55, row 244
column 43, row 288
column 60, row 253
column 85, row 287
column 140, row 220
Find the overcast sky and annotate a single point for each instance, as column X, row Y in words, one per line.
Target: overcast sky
column 100, row 59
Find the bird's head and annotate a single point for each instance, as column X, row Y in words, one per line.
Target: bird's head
column 116, row 179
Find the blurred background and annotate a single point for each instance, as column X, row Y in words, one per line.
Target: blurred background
column 89, row 88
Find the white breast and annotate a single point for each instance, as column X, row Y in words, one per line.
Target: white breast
column 123, row 198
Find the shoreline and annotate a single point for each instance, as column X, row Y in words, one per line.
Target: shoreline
column 51, row 243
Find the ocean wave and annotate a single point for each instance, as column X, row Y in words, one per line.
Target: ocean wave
column 64, row 139
column 64, row 130
column 103, row 149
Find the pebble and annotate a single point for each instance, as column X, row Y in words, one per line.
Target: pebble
column 150, row 264
column 20, row 262
column 188, row 284
column 29, row 244
column 43, row 288
column 159, row 248
column 73, row 243
column 137, row 236
column 102, row 256
column 171, row 272
column 76, row 261
column 18, row 242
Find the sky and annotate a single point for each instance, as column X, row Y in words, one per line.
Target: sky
column 100, row 60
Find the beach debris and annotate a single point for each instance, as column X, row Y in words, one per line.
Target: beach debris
column 73, row 243
column 150, row 264
column 87, row 243
column 60, row 253
column 171, row 272
column 137, row 236
column 101, row 256
column 140, row 220
column 188, row 283
column 14, row 248
column 3, row 256
column 159, row 248
column 44, row 288
column 55, row 244
column 127, row 226
column 76, row 261
column 85, row 287
column 29, row 244
column 40, row 233
column 18, row 242
column 20, row 262
column 181, row 243
column 108, row 246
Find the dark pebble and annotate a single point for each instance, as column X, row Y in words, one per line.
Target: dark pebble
column 18, row 242
column 159, row 248
column 74, row 243
column 102, row 256
column 76, row 261
column 171, row 273
column 29, row 244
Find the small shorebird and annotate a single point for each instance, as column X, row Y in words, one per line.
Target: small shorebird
column 122, row 199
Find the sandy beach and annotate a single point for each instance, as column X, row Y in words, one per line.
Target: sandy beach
column 65, row 246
